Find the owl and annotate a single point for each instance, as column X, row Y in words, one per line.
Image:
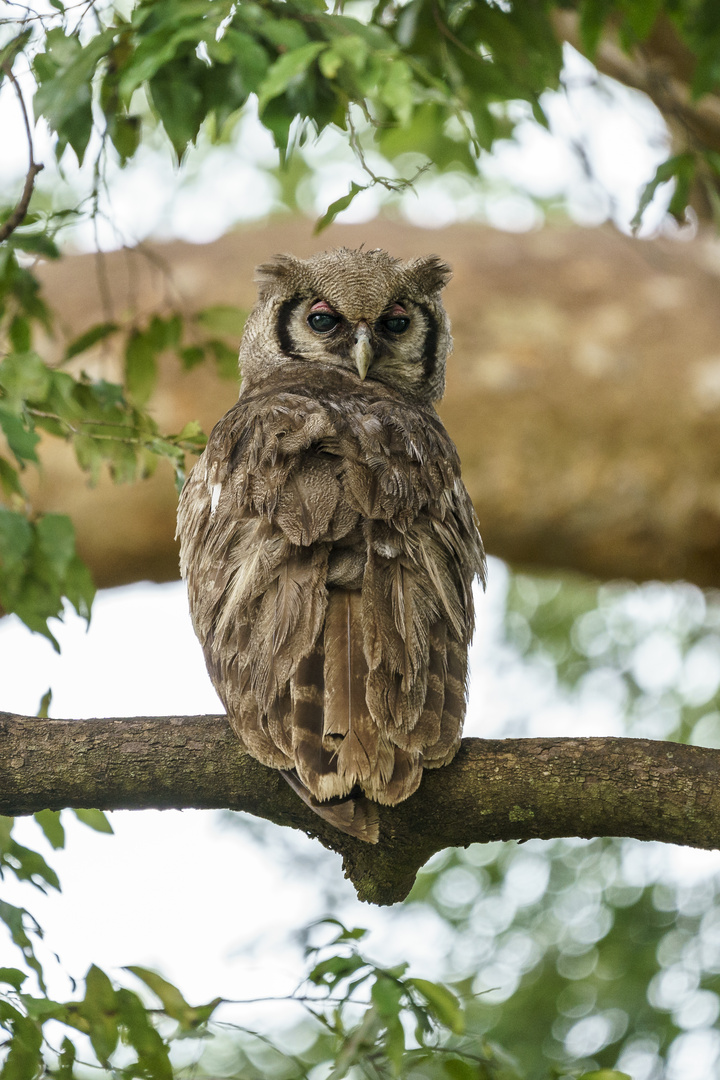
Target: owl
column 327, row 540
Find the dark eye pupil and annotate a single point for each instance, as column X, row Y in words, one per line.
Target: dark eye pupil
column 322, row 322
column 397, row 326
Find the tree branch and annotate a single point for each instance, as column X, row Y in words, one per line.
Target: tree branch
column 508, row 789
column 18, row 215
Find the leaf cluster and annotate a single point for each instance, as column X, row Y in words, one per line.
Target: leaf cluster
column 198, row 62
column 431, row 78
column 360, row 1010
column 106, row 423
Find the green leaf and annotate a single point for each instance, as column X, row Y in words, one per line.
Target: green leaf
column 65, row 72
column 99, row 1008
column 50, row 823
column 94, row 819
column 191, row 356
column 337, row 207
column 680, row 168
column 640, row 18
column 222, row 319
column 285, row 34
column 457, row 1069
column 593, row 15
column 287, row 68
column 10, row 51
column 24, row 1059
column 9, row 479
column 278, row 119
column 15, row 540
column 172, row 1000
column 442, row 1003
column 192, row 432
column 56, row 538
column 25, row 377
column 30, row 866
column 334, row 969
column 68, row 1053
column 394, row 1043
column 44, row 709
column 141, row 368
column 177, row 94
column 164, row 333
column 21, row 438
column 249, row 58
column 89, row 338
column 174, row 1004
column 35, row 243
column 79, row 588
column 12, row 977
column 398, row 90
column 152, row 1051
column 20, row 334
column 13, row 917
column 605, row 1074
column 344, row 934
column 387, row 997
column 125, row 134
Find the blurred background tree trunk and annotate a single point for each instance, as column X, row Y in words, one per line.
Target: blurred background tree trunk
column 583, row 393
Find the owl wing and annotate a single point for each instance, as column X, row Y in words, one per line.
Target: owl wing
column 329, row 549
column 422, row 552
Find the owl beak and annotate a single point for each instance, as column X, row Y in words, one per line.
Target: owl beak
column 362, row 352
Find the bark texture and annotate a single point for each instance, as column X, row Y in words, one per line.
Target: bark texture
column 583, row 394
column 510, row 789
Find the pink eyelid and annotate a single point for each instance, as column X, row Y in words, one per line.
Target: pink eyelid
column 323, row 307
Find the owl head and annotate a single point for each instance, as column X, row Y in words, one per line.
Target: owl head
column 374, row 316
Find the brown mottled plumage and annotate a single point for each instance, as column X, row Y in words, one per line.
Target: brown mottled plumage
column 328, row 542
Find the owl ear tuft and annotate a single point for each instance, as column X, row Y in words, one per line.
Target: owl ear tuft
column 430, row 272
column 270, row 276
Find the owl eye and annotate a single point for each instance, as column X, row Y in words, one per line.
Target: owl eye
column 323, row 322
column 397, row 325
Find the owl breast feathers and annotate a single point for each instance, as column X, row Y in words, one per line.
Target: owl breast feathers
column 327, row 539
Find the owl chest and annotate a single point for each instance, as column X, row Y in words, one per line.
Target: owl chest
column 354, row 480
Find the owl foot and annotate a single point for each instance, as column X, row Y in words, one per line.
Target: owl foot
column 354, row 815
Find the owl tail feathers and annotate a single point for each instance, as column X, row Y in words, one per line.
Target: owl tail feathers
column 355, row 816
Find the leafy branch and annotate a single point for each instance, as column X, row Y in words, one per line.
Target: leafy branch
column 17, row 216
column 360, row 1010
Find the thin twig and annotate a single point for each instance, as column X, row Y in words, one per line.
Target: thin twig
column 388, row 182
column 18, row 215
column 103, row 281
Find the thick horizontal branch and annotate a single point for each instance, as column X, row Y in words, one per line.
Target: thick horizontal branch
column 508, row 789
